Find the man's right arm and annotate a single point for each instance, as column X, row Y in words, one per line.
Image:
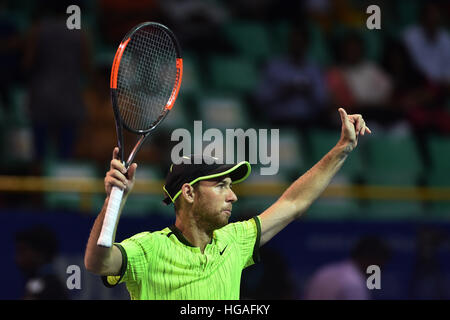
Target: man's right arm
column 101, row 260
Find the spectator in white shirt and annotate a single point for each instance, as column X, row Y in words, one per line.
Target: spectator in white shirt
column 429, row 45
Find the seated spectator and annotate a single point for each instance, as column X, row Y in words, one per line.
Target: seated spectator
column 196, row 24
column 117, row 17
column 292, row 91
column 414, row 97
column 357, row 83
column 346, row 280
column 429, row 45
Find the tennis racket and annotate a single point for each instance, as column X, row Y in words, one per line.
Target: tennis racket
column 145, row 79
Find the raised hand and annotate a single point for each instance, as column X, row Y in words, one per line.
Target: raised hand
column 119, row 176
column 353, row 125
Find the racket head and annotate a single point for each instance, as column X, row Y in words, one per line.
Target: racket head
column 145, row 77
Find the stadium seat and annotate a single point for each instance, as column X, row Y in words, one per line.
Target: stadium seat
column 179, row 116
column 254, row 204
column 73, row 201
column 393, row 161
column 232, row 74
column 191, row 82
column 248, row 38
column 439, row 150
column 333, row 208
column 222, row 111
column 279, row 37
column 292, row 154
column 318, row 50
column 16, row 128
column 322, row 141
column 438, row 174
column 143, row 204
column 18, row 114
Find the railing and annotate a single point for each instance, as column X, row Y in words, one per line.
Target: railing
column 18, row 184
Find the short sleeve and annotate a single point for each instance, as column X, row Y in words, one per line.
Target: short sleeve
column 135, row 251
column 247, row 235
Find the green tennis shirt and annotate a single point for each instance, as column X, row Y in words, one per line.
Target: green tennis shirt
column 164, row 265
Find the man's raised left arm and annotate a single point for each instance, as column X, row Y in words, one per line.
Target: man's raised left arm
column 299, row 196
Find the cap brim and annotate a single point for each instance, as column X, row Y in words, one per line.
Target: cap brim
column 238, row 173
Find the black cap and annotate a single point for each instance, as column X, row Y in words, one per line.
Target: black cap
column 196, row 168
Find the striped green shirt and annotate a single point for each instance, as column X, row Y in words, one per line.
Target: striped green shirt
column 164, row 265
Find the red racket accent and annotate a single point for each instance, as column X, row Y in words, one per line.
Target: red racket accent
column 116, row 63
column 174, row 94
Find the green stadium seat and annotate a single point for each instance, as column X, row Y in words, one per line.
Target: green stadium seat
column 17, row 140
column 18, row 114
column 333, row 208
column 251, row 205
column 191, row 82
column 248, row 38
column 73, row 201
column 439, row 150
column 222, row 111
column 178, row 117
column 292, row 159
column 394, row 210
column 439, row 208
column 438, row 175
column 232, row 74
column 279, row 37
column 143, row 204
column 393, row 161
column 330, row 208
column 318, row 50
column 322, row 141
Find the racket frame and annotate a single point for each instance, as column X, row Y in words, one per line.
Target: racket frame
column 114, row 99
column 107, row 233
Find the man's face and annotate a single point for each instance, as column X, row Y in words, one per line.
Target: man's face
column 213, row 202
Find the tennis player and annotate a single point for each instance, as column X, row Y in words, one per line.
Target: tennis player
column 202, row 256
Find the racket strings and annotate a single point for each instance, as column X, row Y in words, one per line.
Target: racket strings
column 146, row 78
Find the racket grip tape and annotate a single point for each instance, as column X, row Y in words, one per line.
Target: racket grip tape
column 109, row 222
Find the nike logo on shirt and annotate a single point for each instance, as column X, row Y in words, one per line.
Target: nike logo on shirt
column 221, row 252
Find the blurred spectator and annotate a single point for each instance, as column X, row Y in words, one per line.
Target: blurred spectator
column 56, row 59
column 265, row 10
column 409, row 87
column 358, row 84
column 429, row 45
column 346, row 280
column 427, row 280
column 117, row 17
column 10, row 42
column 35, row 250
column 197, row 24
column 292, row 91
column 414, row 98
